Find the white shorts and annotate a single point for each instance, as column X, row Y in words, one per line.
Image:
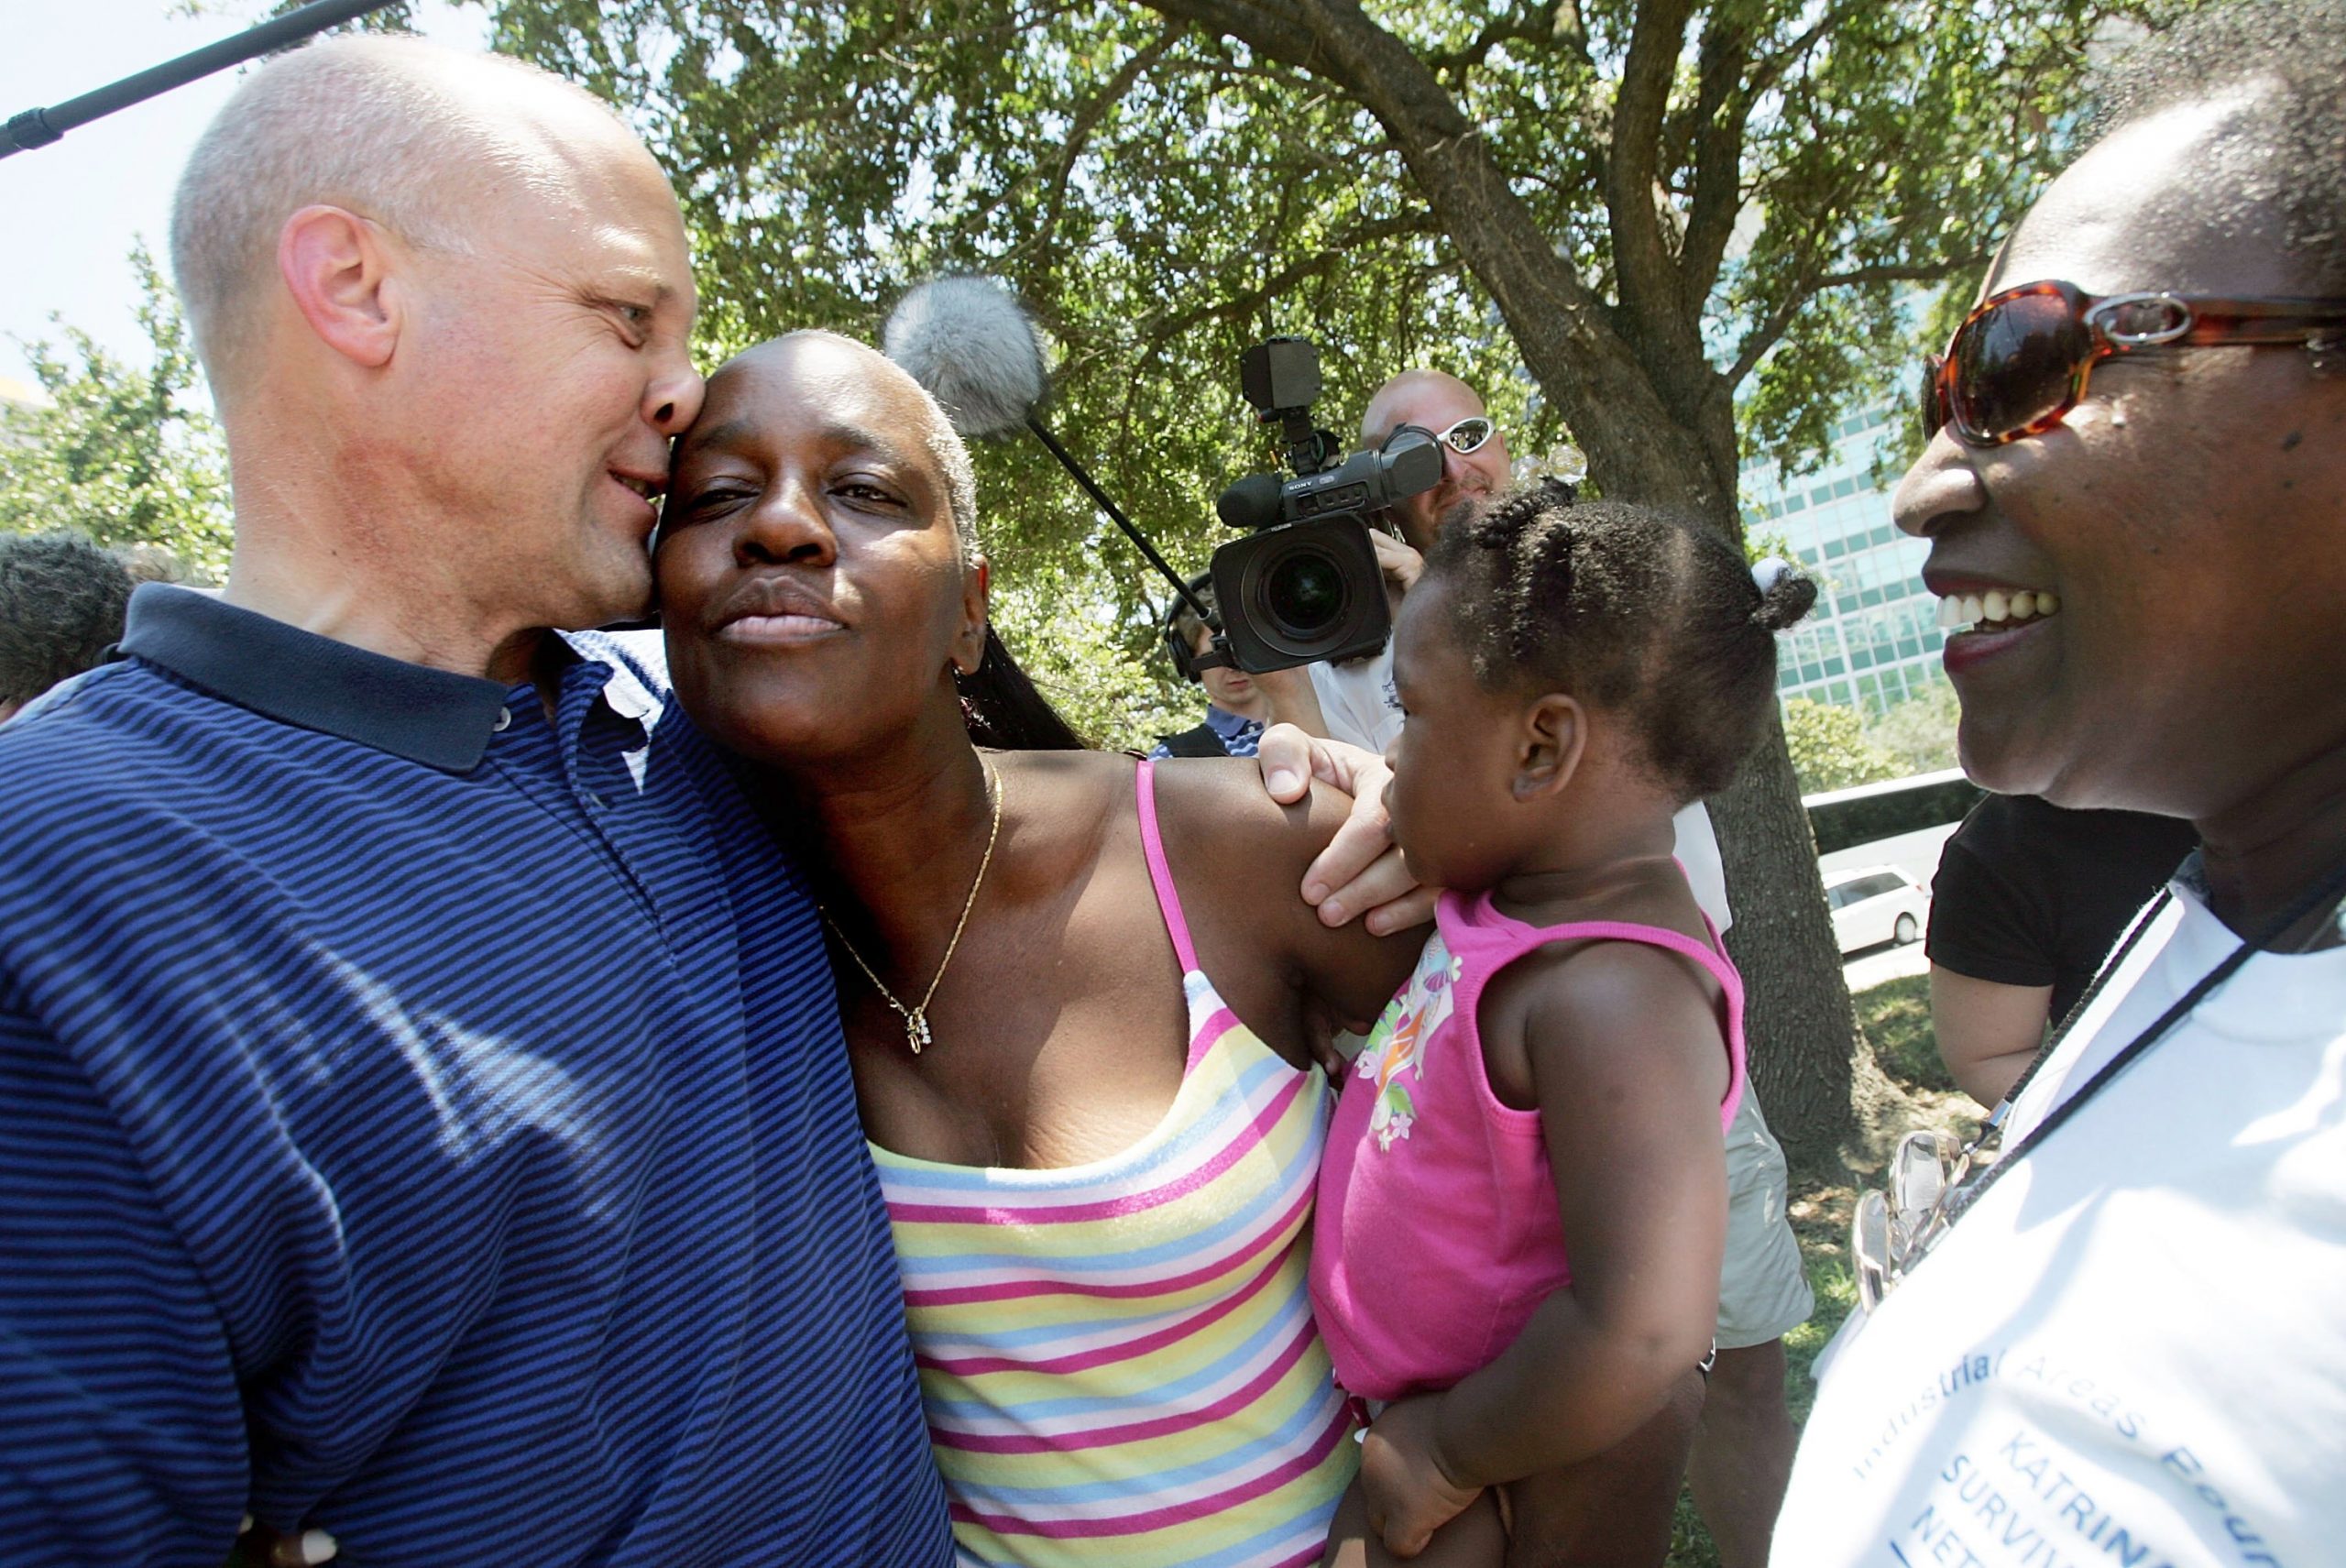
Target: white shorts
column 1762, row 1293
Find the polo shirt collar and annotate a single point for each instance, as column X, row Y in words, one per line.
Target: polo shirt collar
column 433, row 717
column 1227, row 725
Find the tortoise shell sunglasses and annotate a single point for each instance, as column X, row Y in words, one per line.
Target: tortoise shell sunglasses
column 2019, row 362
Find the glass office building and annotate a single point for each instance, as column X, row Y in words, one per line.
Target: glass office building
column 1873, row 640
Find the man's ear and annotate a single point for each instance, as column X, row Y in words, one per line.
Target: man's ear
column 1551, row 738
column 970, row 642
column 336, row 264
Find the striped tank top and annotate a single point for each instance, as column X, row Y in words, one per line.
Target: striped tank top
column 1118, row 1359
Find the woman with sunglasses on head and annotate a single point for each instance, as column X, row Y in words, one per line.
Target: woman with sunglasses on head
column 2125, row 1339
column 1075, row 992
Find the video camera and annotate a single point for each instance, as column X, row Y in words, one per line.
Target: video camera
column 1304, row 585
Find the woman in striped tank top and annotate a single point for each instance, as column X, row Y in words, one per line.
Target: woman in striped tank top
column 1076, row 995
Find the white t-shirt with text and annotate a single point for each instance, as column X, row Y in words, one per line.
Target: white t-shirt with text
column 2131, row 1351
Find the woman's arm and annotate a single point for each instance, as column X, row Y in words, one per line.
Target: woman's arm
column 1239, row 858
column 1628, row 1069
column 1988, row 1032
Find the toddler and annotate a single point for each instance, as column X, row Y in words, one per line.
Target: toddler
column 1523, row 1201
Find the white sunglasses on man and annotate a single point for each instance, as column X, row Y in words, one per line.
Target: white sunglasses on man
column 1469, row 434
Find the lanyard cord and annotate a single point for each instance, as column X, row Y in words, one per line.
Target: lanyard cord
column 2327, row 891
column 2143, row 920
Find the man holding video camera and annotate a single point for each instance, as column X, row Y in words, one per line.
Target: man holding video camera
column 1743, row 1448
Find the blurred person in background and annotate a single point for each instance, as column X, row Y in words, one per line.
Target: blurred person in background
column 61, row 604
column 2028, row 901
column 1238, row 705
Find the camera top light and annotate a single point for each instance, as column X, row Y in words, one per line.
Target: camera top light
column 1280, row 375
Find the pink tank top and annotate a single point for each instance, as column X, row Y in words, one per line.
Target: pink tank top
column 1437, row 1233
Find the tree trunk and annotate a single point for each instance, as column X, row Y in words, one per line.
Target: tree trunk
column 1658, row 424
column 1797, row 1017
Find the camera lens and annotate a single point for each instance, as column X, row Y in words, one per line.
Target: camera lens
column 1304, row 593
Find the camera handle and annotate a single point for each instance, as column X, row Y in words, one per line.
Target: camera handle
column 40, row 128
column 1219, row 656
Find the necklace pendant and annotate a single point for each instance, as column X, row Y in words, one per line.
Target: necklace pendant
column 917, row 1029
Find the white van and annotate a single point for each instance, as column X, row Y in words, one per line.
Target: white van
column 1874, row 904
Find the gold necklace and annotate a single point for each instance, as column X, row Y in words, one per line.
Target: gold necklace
column 916, row 1019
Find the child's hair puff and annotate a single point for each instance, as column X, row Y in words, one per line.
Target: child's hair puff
column 1647, row 614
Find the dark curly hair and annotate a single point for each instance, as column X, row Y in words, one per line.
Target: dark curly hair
column 61, row 603
column 1647, row 615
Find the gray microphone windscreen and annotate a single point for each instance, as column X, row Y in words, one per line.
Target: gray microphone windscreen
column 968, row 341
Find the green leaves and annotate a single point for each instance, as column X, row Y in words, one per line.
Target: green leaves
column 1160, row 197
column 122, row 453
column 1829, row 748
column 1164, row 192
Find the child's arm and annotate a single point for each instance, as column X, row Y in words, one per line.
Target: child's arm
column 1627, row 1068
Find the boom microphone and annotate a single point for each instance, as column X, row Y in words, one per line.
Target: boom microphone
column 40, row 128
column 967, row 340
column 970, row 344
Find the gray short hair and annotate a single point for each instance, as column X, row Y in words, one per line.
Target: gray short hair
column 370, row 124
column 952, row 454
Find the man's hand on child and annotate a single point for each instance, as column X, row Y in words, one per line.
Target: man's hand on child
column 1408, row 1493
column 1360, row 869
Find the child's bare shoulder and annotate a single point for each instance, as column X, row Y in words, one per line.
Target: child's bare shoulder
column 1579, row 1016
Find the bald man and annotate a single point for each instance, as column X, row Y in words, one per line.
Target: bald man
column 422, row 1109
column 1473, row 451
column 1743, row 1448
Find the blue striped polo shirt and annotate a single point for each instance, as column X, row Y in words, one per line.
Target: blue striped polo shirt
column 426, row 1120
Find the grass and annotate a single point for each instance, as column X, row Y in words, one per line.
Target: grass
column 1896, row 1018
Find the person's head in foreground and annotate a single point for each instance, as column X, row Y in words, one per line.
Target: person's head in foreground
column 62, row 600
column 819, row 570
column 443, row 300
column 2135, row 496
column 1584, row 670
column 1473, row 452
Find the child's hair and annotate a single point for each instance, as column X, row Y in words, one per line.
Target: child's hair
column 1649, row 615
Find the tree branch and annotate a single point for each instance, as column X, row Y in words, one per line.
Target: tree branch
column 1272, row 28
column 1644, row 265
column 1772, row 71
column 1725, row 112
column 1516, row 27
column 1721, row 112
column 1766, row 336
column 1163, row 329
column 1678, row 449
column 1087, row 120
